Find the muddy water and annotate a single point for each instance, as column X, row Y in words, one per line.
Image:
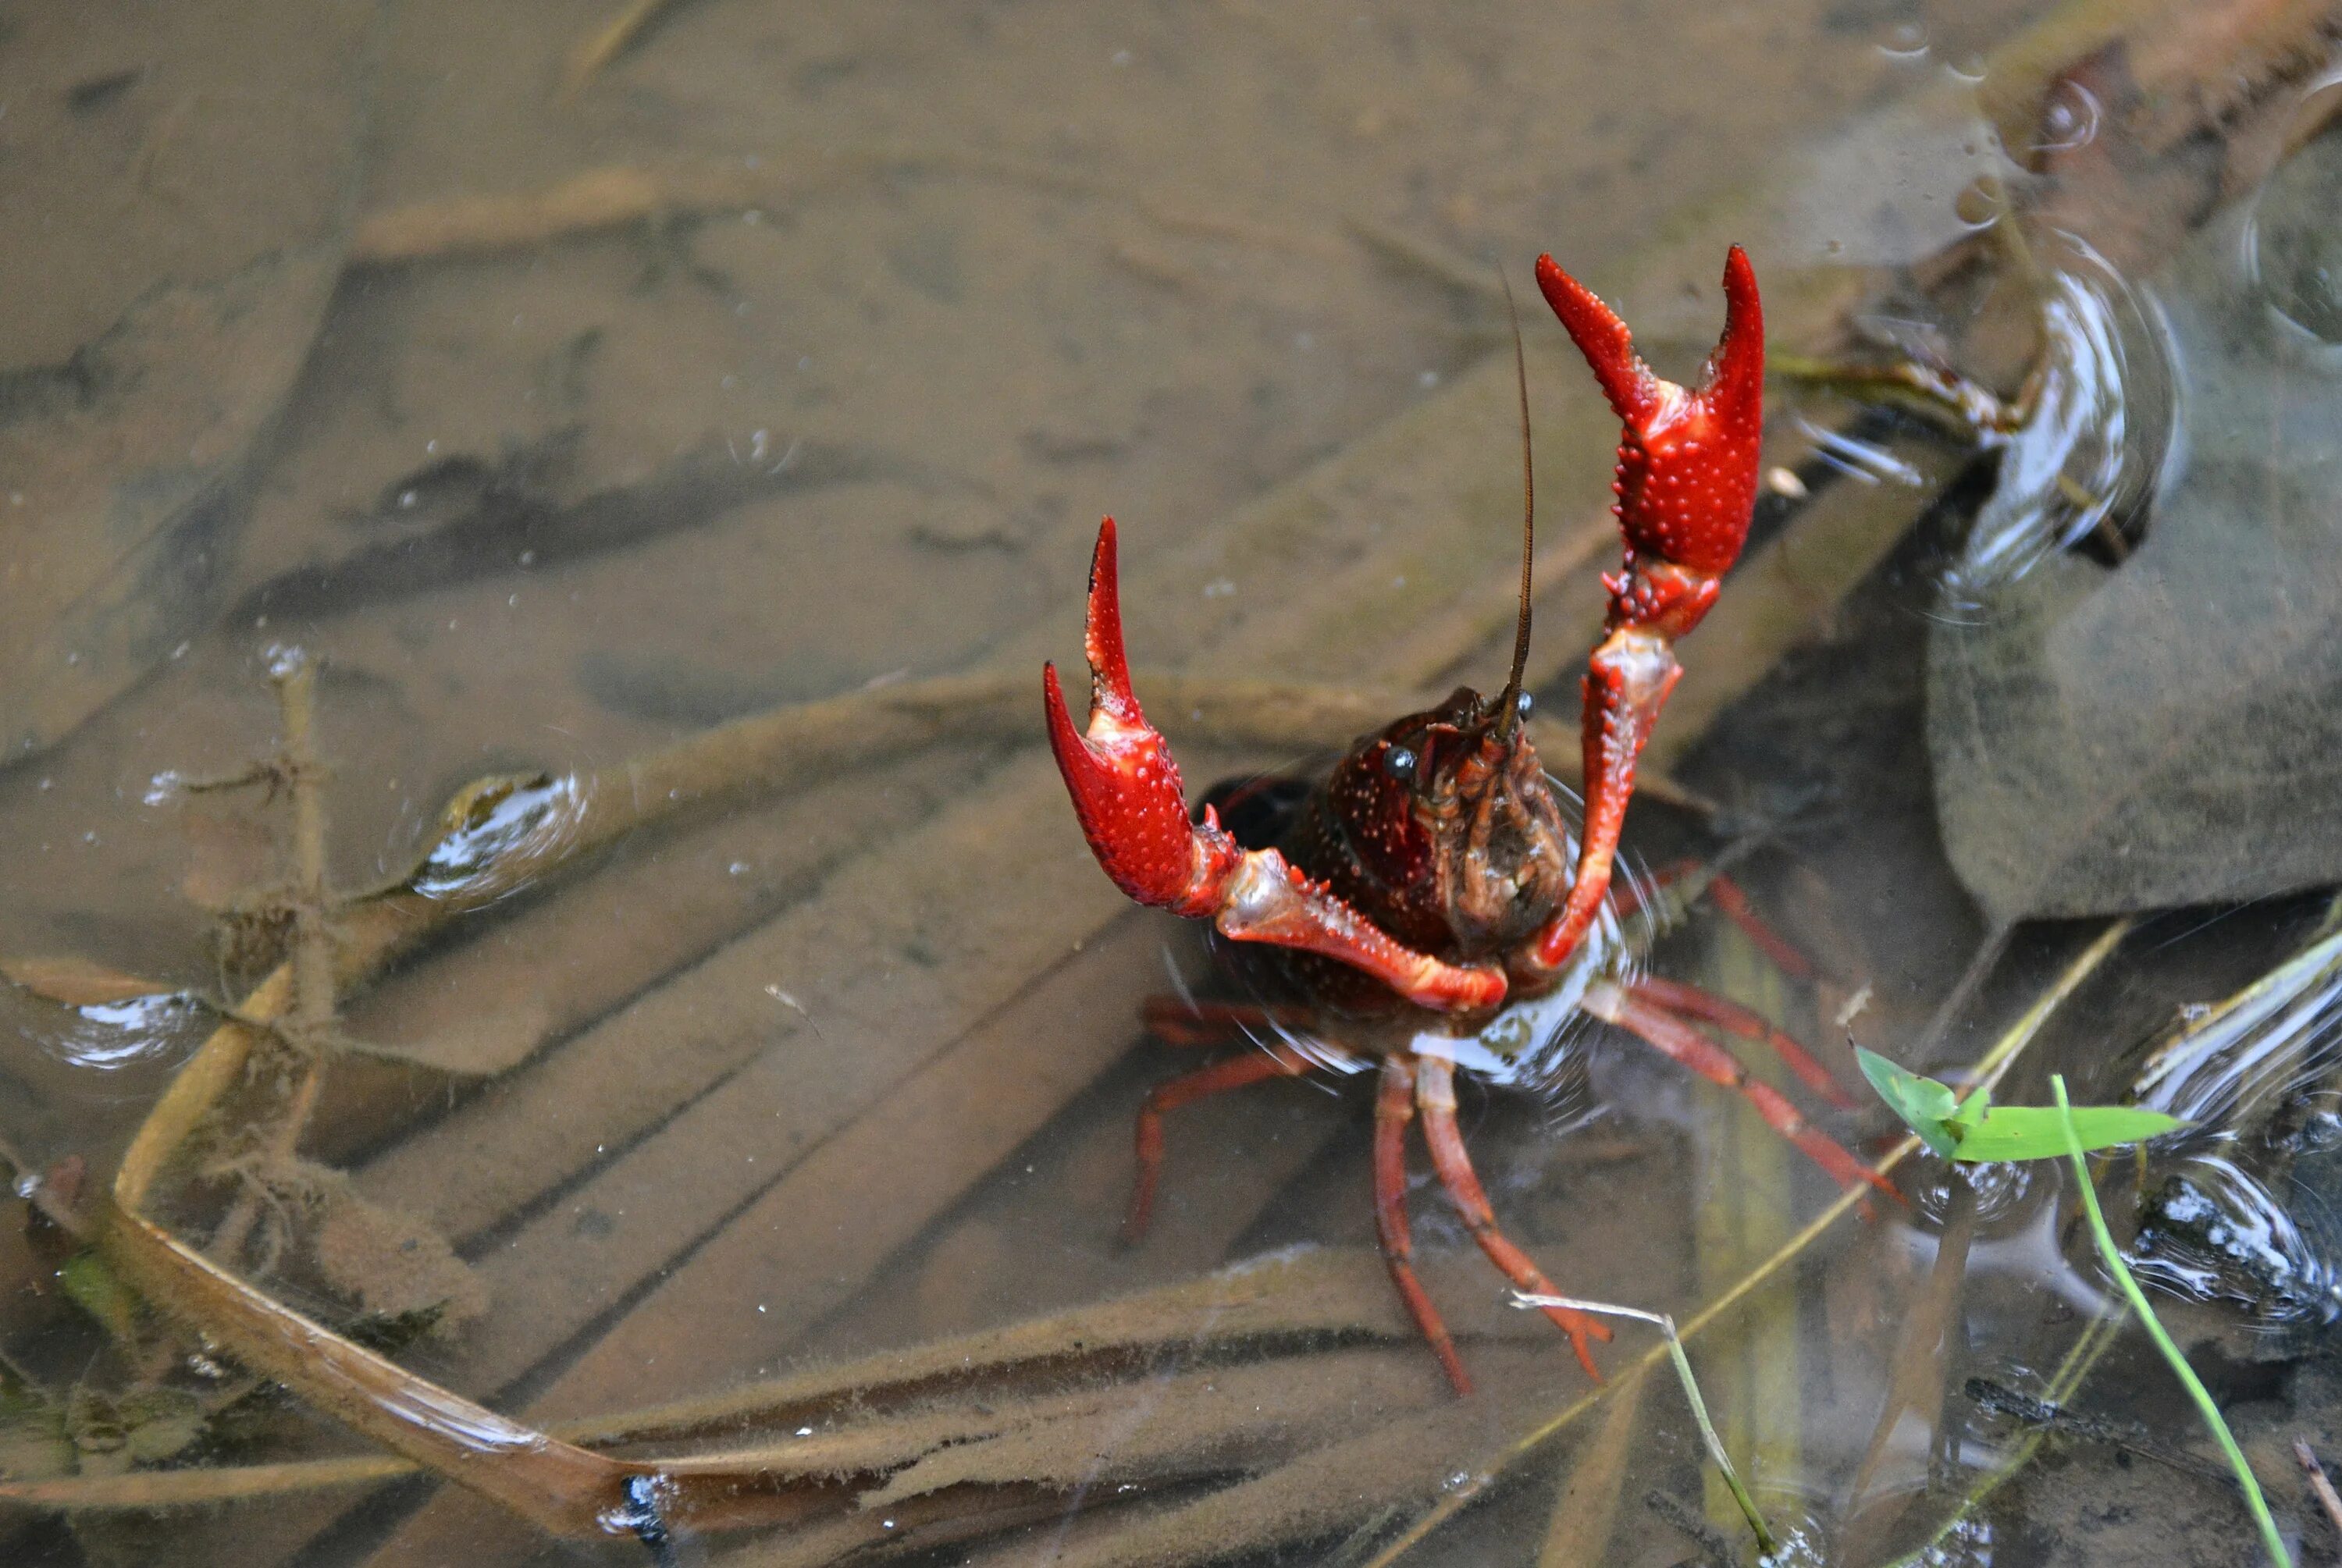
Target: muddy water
column 558, row 405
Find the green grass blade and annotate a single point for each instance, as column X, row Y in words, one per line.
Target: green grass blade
column 2187, row 1374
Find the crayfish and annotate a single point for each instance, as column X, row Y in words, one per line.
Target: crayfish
column 1432, row 900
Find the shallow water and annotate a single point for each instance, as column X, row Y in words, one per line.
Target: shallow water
column 555, row 415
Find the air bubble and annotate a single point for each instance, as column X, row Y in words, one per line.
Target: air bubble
column 1904, row 41
column 2069, row 119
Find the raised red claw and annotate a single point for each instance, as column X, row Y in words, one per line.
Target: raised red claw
column 1687, row 487
column 1125, row 785
column 1126, row 793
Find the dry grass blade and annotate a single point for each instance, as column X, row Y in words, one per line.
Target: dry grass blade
column 1717, row 1454
column 1585, row 1513
column 607, row 41
column 1286, row 1301
column 1989, row 1071
column 202, row 1486
column 560, row 1487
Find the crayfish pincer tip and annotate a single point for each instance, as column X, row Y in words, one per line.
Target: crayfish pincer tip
column 1102, row 633
column 1737, row 370
column 1604, row 339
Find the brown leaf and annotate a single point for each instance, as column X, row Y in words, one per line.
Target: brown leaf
column 78, row 982
column 391, row 1265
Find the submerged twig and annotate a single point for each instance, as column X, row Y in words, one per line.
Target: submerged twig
column 1766, row 1540
column 2003, row 1400
column 616, row 196
column 301, row 1037
column 2319, row 1483
column 1919, row 1368
column 1472, row 279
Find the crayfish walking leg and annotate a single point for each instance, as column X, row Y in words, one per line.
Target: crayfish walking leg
column 1235, row 1072
column 1435, row 1092
column 1675, row 1039
column 1394, row 1108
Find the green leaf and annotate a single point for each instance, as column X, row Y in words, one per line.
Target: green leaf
column 1974, row 1108
column 1922, row 1102
column 2037, row 1133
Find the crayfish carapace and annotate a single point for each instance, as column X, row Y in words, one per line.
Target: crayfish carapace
column 1434, row 875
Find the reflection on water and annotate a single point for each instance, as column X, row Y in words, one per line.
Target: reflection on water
column 2240, row 1210
column 2231, row 1070
column 2092, row 433
column 141, row 1031
column 2290, row 251
column 501, row 823
column 2217, row 1231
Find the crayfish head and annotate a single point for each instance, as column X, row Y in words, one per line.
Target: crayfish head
column 1445, row 827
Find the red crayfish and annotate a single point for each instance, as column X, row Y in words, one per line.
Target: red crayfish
column 1429, row 897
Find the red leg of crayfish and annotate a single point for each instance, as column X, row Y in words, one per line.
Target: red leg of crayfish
column 1691, row 1001
column 1126, row 793
column 1236, row 1073
column 1435, row 1092
column 1394, row 1108
column 1787, row 955
column 1687, row 487
column 1677, row 1040
column 1731, row 901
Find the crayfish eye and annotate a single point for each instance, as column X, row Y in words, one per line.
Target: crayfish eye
column 1526, row 703
column 1399, row 763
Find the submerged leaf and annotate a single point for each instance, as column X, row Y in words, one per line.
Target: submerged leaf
column 77, row 982
column 158, row 1423
column 397, row 1268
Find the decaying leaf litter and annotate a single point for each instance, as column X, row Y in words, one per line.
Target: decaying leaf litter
column 1319, row 645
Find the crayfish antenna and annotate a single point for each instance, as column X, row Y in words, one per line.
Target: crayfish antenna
column 1687, row 487
column 1508, row 703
